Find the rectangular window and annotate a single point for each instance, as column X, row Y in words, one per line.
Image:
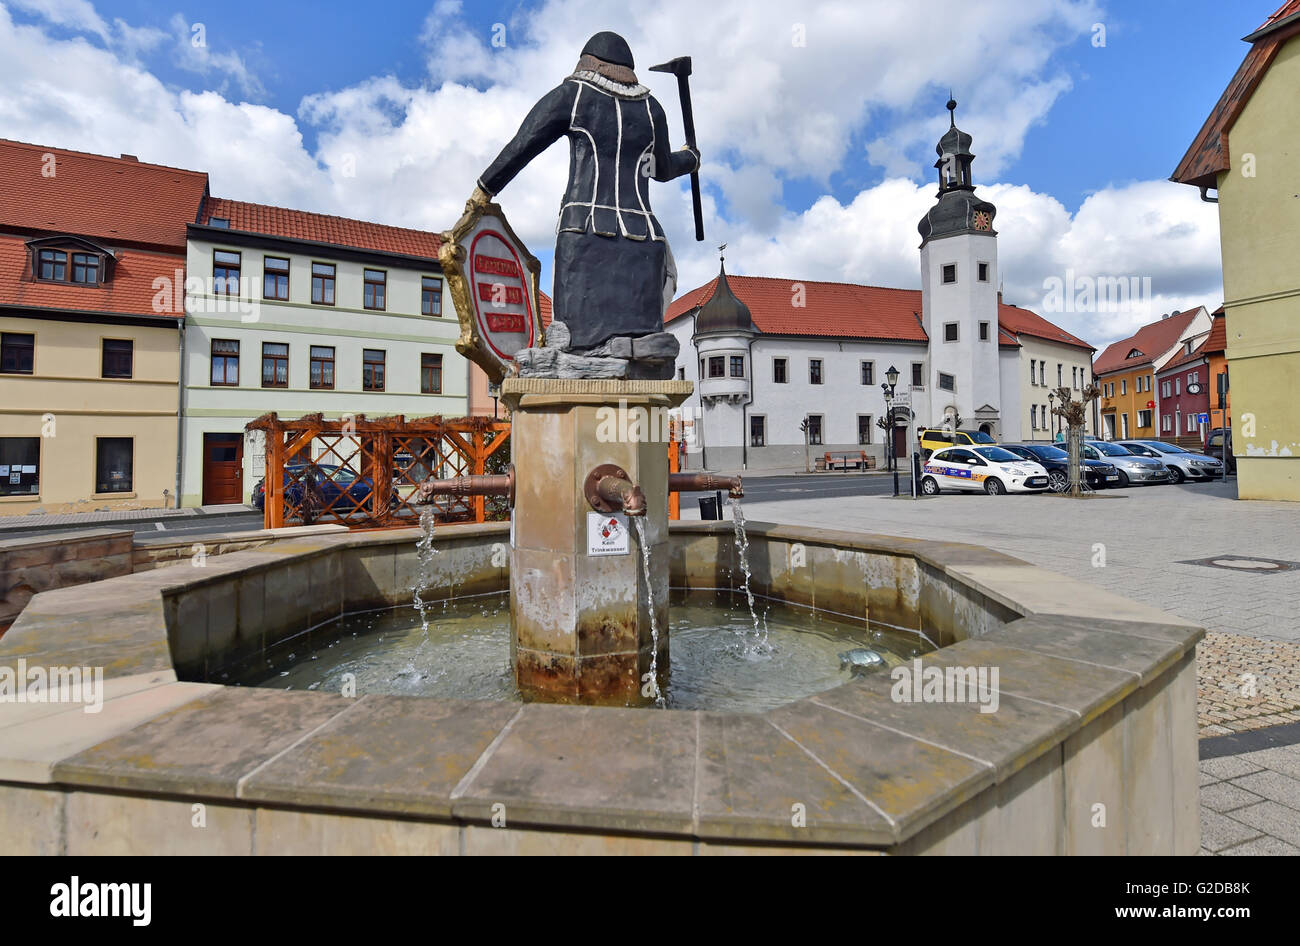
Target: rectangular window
column 372, row 369
column 717, row 367
column 225, row 273
column 757, row 431
column 431, row 374
column 947, row 382
column 115, row 358
column 85, row 268
column 737, row 366
column 1032, row 376
column 1042, row 373
column 1123, row 385
column 1144, row 419
column 949, row 272
column 1033, row 416
column 220, row 222
column 814, row 371
column 430, row 295
column 778, row 371
column 868, row 372
column 864, row 429
column 1060, row 375
column 225, row 362
column 950, row 331
column 113, row 459
column 814, row 429
column 983, row 272
column 1123, row 426
column 681, row 374
column 917, row 380
column 373, row 293
column 275, row 365
column 321, row 374
column 322, row 283
column 17, row 352
column 53, row 264
column 1178, row 386
column 1191, row 423
column 984, row 331
column 275, row 278
column 20, row 459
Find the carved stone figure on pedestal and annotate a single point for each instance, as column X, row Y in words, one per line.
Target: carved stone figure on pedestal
column 613, row 269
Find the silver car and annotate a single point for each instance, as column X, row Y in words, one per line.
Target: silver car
column 1183, row 464
column 1133, row 469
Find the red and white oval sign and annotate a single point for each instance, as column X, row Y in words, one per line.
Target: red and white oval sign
column 503, row 305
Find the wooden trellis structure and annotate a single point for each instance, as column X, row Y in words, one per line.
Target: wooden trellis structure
column 363, row 473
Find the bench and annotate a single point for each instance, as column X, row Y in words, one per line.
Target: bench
column 846, row 461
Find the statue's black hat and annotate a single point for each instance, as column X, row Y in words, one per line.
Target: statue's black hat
column 611, row 48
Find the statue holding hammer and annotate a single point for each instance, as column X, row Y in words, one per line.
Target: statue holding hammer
column 613, row 269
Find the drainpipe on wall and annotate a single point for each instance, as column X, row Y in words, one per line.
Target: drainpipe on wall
column 180, row 410
column 744, row 411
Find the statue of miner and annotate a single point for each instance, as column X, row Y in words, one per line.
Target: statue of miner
column 613, row 269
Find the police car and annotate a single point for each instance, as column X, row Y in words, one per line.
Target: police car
column 991, row 469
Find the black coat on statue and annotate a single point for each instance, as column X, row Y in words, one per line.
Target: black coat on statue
column 610, row 252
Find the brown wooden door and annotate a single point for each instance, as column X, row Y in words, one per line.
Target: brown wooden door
column 900, row 447
column 223, row 469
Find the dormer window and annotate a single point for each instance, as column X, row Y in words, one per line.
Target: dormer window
column 70, row 260
column 1135, row 353
column 222, row 223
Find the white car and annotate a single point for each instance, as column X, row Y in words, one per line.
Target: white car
column 991, row 469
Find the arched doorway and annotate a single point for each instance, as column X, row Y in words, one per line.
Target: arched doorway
column 986, row 429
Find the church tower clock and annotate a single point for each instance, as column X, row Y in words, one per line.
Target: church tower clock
column 959, row 299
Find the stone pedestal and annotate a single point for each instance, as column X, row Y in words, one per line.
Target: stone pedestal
column 580, row 619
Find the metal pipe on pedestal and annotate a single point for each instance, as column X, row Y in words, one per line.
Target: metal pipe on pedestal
column 499, row 484
column 704, row 482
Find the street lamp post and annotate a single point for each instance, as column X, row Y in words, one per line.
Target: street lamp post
column 891, row 381
column 1051, row 419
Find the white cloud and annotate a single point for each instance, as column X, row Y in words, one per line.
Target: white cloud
column 770, row 113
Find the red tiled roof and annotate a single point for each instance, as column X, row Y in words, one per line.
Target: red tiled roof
column 846, row 310
column 114, row 200
column 129, row 291
column 1217, row 341
column 840, row 310
column 544, row 312
column 1208, row 154
column 1026, row 322
column 1198, row 352
column 1151, row 340
column 322, row 228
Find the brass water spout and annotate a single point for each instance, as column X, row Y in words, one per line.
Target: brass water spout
column 501, row 484
column 704, row 483
column 608, row 489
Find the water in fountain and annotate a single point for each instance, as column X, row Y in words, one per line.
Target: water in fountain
column 424, row 551
column 757, row 644
column 654, row 621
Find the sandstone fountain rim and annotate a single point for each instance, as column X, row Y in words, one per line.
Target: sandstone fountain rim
column 1053, row 645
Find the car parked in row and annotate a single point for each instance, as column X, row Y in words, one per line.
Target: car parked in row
column 1182, row 464
column 1214, row 447
column 936, row 438
column 1097, row 474
column 1133, row 470
column 991, row 469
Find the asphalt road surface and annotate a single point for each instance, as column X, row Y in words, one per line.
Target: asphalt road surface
column 758, row 490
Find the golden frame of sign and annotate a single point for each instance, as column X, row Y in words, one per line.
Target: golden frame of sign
column 493, row 283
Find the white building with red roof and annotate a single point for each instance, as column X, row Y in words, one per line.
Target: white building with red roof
column 298, row 313
column 786, row 367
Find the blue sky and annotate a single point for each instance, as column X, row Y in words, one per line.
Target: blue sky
column 817, row 165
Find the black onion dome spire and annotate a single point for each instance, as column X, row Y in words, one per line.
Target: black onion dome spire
column 957, row 209
column 724, row 312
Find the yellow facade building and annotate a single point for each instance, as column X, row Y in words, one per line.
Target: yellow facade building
column 1247, row 153
column 92, row 268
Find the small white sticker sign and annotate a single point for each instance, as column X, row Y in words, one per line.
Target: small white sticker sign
column 607, row 534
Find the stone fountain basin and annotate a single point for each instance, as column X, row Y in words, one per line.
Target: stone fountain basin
column 1097, row 707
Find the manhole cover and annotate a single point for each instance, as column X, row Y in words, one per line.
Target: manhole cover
column 1244, row 563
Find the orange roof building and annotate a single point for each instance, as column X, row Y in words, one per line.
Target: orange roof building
column 92, row 270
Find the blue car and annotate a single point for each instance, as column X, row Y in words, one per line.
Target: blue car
column 338, row 487
column 1098, row 474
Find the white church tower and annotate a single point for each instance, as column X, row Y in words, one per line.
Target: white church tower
column 959, row 299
